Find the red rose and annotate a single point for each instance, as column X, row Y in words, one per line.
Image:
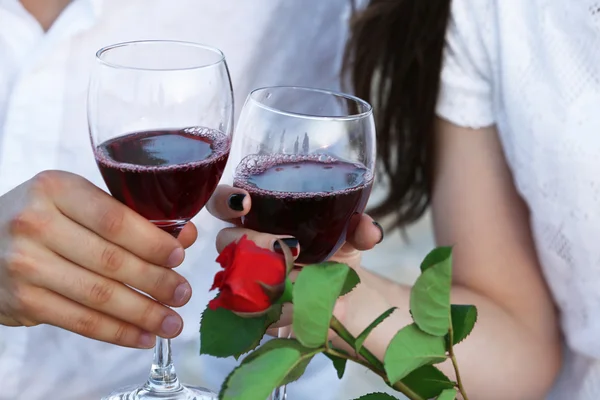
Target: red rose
column 247, row 268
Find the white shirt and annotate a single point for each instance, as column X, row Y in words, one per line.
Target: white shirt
column 43, row 125
column 533, row 68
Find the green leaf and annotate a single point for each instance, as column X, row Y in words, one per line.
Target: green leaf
column 377, row 396
column 273, row 315
column 352, row 280
column 430, row 296
column 289, row 343
column 364, row 334
column 316, row 290
column 436, row 256
column 225, row 334
column 463, row 322
column 427, row 381
column 257, row 379
column 277, row 363
column 338, row 363
column 448, row 394
column 410, row 349
column 287, row 295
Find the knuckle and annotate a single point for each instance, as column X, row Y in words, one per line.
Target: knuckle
column 111, row 221
column 87, row 325
column 101, row 292
column 18, row 264
column 112, row 259
column 159, row 281
column 156, row 281
column 122, row 333
column 28, row 323
column 29, row 222
column 46, row 182
column 151, row 316
column 160, row 248
column 21, row 303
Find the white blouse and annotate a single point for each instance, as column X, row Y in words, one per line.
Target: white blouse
column 43, row 125
column 532, row 67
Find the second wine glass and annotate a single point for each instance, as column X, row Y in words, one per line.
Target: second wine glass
column 307, row 158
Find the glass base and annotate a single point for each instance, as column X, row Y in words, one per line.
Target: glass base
column 183, row 393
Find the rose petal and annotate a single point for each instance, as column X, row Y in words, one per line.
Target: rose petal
column 244, row 266
column 245, row 300
column 218, row 282
column 226, row 256
column 215, row 303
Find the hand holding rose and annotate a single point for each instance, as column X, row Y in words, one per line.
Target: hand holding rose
column 230, row 204
column 256, row 283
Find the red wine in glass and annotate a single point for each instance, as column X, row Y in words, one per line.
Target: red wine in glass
column 167, row 176
column 311, row 197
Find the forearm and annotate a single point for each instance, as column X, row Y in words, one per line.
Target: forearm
column 502, row 359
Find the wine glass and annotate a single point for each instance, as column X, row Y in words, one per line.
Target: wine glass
column 307, row 158
column 160, row 117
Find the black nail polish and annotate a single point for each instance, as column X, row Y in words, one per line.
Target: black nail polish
column 380, row 230
column 292, row 243
column 236, row 201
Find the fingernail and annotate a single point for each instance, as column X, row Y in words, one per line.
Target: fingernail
column 292, row 243
column 380, row 230
column 182, row 293
column 146, row 340
column 176, row 257
column 171, row 325
column 236, row 201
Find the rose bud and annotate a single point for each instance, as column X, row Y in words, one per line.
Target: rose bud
column 252, row 279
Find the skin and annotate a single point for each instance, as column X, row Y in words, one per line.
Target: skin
column 45, row 11
column 515, row 349
column 70, row 256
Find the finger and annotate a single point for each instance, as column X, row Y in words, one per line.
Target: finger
column 188, row 235
column 264, row 240
column 104, row 295
column 89, row 206
column 228, row 203
column 367, row 235
column 83, row 247
column 50, row 308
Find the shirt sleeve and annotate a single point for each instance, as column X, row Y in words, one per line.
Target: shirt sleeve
column 466, row 96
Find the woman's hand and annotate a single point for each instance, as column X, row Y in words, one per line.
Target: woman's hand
column 230, row 204
column 71, row 256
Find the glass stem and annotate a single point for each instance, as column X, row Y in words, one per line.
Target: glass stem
column 163, row 377
column 280, row 393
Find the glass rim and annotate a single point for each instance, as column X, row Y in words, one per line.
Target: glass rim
column 106, row 49
column 368, row 109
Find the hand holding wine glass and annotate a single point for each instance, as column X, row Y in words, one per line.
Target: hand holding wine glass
column 71, row 256
column 307, row 157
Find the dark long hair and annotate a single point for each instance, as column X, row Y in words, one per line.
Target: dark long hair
column 394, row 59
